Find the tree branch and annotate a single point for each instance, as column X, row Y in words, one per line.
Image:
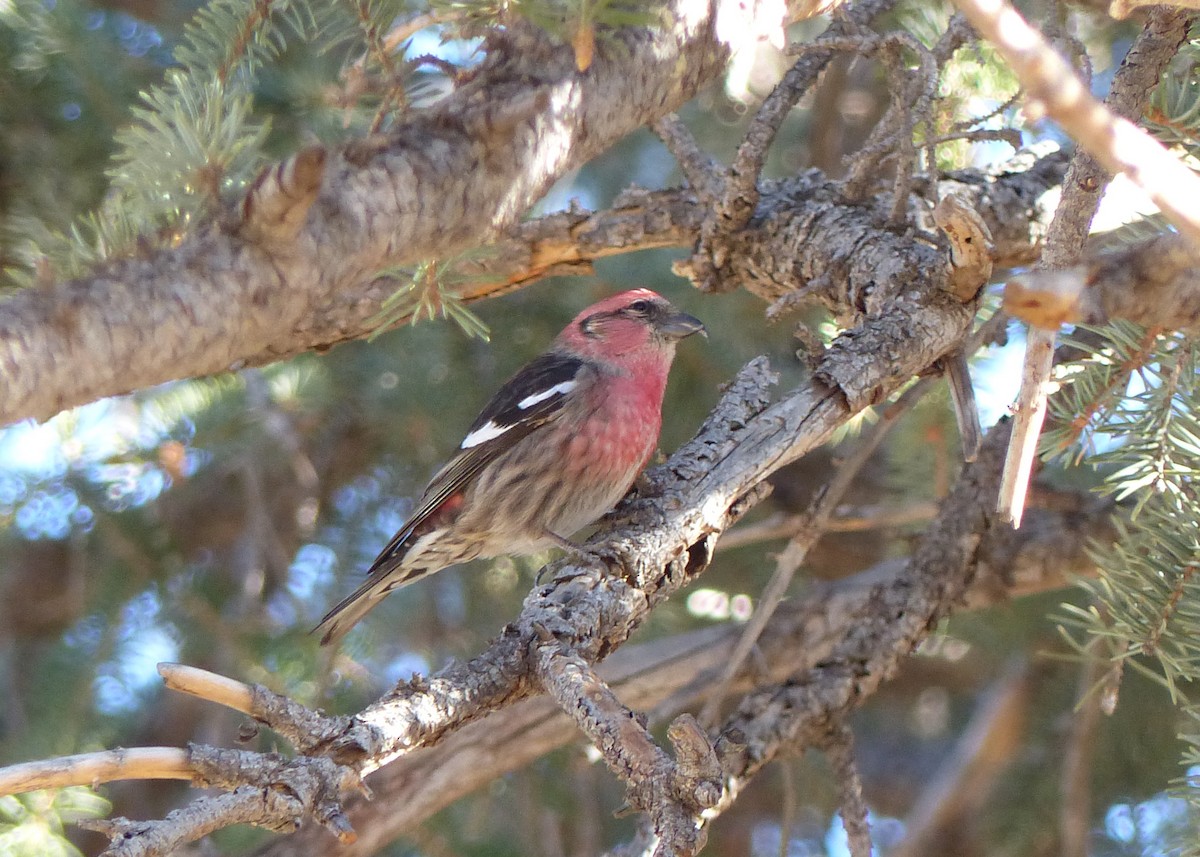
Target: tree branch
column 1116, row 143
column 1044, row 74
column 795, row 714
column 452, row 176
column 663, row 541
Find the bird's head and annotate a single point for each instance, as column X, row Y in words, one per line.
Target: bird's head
column 635, row 321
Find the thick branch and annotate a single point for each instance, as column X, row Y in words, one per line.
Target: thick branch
column 674, row 674
column 451, row 176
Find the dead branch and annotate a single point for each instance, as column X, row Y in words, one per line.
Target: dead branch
column 1042, row 72
column 671, row 675
column 137, row 763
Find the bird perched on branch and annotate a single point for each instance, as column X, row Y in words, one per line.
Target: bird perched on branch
column 553, row 450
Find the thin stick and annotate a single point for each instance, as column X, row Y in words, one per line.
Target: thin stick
column 1027, row 424
column 855, row 520
column 207, row 685
column 89, row 769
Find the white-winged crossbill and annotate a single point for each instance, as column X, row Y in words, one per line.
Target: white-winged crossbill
column 554, row 449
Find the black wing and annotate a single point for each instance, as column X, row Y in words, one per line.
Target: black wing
column 532, row 398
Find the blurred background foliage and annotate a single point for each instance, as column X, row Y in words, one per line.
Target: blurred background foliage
column 213, row 521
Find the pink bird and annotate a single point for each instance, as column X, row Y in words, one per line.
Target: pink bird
column 554, row 449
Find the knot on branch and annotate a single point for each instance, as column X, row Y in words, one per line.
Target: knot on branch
column 277, row 203
column 970, row 245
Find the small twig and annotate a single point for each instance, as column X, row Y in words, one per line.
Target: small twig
column 980, row 135
column 999, row 109
column 839, row 749
column 700, row 170
column 892, row 138
column 962, row 396
column 139, row 763
column 958, row 33
column 1029, row 413
column 790, row 804
column 793, row 556
column 377, row 49
column 855, row 520
column 208, row 685
column 1075, row 814
column 304, row 728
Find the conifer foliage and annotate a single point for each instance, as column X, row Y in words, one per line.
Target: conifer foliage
column 779, row 160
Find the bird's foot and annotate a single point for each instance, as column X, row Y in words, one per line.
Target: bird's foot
column 579, row 555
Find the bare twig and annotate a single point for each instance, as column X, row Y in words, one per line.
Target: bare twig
column 1029, row 413
column 138, row 763
column 839, row 748
column 701, row 171
column 854, row 520
column 892, row 138
column 1115, row 143
column 207, row 685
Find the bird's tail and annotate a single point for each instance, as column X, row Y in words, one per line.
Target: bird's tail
column 357, row 604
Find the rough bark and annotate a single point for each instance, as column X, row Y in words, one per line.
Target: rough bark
column 675, row 674
column 451, row 176
column 454, row 176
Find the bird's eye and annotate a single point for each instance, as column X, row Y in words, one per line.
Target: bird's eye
column 640, row 307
